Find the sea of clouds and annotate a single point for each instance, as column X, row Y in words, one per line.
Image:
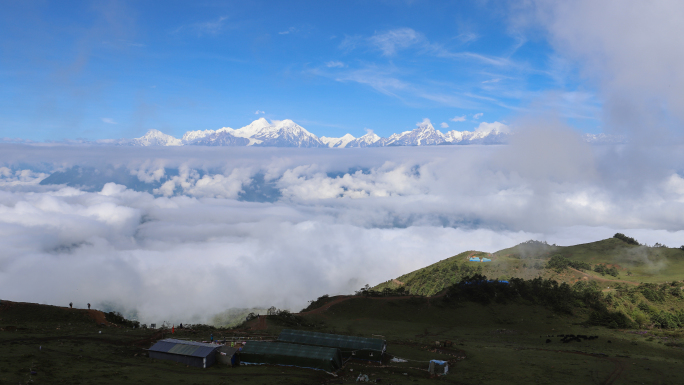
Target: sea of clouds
column 206, row 229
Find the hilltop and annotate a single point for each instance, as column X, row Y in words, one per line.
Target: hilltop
column 607, row 262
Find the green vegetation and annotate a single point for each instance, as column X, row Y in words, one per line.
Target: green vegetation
column 490, row 332
column 233, row 317
column 626, row 239
column 603, row 269
column 559, row 263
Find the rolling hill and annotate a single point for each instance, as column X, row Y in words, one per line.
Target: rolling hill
column 632, row 263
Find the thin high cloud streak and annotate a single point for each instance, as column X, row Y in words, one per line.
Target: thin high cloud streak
column 343, row 219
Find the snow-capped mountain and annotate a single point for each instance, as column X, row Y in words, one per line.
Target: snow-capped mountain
column 368, row 140
column 153, row 138
column 338, row 142
column 486, row 133
column 424, row 135
column 286, row 133
column 219, row 138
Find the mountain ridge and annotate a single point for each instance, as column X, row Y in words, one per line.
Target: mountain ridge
column 287, row 133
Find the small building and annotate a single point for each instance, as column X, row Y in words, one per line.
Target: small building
column 227, row 356
column 350, row 346
column 474, row 259
column 303, row 356
column 191, row 353
column 438, row 367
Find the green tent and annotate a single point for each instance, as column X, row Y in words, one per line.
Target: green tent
column 350, row 346
column 278, row 353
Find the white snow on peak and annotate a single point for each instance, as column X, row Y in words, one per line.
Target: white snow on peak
column 251, row 129
column 286, row 133
column 485, row 132
column 337, row 142
column 368, row 140
column 424, row 135
column 156, row 138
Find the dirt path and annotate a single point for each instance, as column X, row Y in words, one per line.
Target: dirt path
column 258, row 323
column 602, row 279
column 98, row 316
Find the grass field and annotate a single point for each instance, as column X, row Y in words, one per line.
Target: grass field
column 516, row 341
column 494, row 344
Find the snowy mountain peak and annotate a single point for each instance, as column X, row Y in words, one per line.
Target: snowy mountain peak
column 368, row 140
column 156, row 138
column 287, row 133
column 424, row 135
column 338, row 142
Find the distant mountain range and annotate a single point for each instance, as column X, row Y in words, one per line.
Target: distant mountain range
column 286, row 133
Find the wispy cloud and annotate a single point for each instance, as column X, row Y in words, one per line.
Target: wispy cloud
column 458, row 118
column 108, row 121
column 288, row 31
column 259, row 112
column 478, row 115
column 492, row 81
column 397, row 39
column 335, row 64
column 211, row 27
column 444, row 125
column 349, row 43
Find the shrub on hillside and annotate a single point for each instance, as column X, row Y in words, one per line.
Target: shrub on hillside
column 626, row 239
column 560, row 263
column 117, row 318
column 313, row 304
column 603, row 269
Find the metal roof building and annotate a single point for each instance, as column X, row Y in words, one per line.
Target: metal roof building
column 350, row 346
column 190, row 353
column 304, row 356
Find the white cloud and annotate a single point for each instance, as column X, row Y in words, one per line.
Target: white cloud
column 444, row 125
column 492, row 81
column 478, row 115
column 365, row 207
column 626, row 48
column 259, row 112
column 458, row 118
column 497, row 127
column 335, row 64
column 397, row 39
column 288, row 31
column 108, row 120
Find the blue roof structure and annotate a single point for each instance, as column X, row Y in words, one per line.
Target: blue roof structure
column 185, row 348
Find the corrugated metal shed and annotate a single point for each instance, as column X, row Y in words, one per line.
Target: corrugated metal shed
column 304, row 356
column 226, row 355
column 187, row 352
column 350, row 346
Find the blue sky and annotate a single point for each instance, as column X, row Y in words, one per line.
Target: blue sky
column 117, row 69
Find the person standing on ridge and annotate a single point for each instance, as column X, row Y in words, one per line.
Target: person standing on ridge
column 88, row 305
column 71, row 305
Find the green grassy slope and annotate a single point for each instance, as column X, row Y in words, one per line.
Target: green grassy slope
column 493, row 344
column 633, row 263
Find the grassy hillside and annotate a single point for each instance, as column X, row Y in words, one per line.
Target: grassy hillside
column 499, row 343
column 616, row 261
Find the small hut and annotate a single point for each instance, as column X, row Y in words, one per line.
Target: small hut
column 191, row 353
column 438, row 367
